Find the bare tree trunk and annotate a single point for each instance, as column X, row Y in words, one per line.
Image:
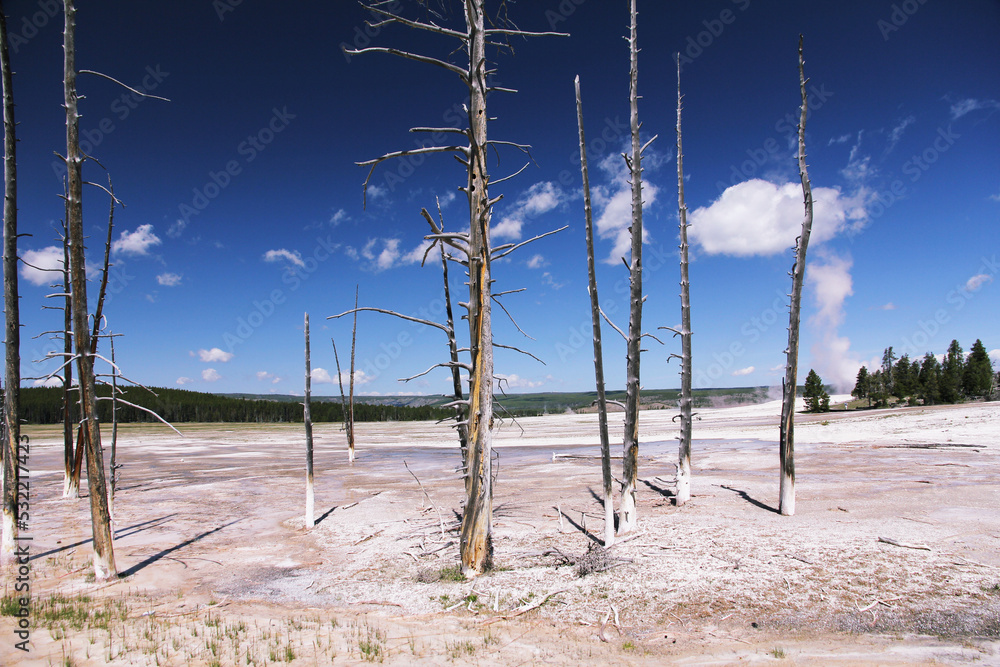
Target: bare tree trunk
column 684, row 449
column 113, row 468
column 456, row 373
column 627, row 518
column 350, row 416
column 71, row 471
column 12, row 375
column 104, row 558
column 307, row 419
column 787, row 443
column 595, row 312
column 477, row 520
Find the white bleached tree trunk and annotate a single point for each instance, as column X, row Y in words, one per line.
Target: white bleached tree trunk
column 684, row 449
column 627, row 517
column 787, row 430
column 307, row 420
column 595, row 313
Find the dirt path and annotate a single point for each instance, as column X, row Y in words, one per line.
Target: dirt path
column 220, row 570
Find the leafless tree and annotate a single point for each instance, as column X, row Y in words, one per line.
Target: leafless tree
column 104, row 557
column 595, row 311
column 684, row 448
column 307, row 419
column 349, row 417
column 476, row 539
column 627, row 517
column 12, row 375
column 787, row 442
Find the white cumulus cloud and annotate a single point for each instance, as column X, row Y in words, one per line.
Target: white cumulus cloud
column 136, row 243
column 210, row 375
column 184, row 380
column 515, row 381
column 757, row 217
column 537, row 200
column 39, row 267
column 214, row 355
column 744, row 371
column 54, row 381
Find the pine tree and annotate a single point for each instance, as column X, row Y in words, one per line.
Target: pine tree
column 929, row 380
column 863, row 386
column 817, row 400
column 977, row 378
column 951, row 374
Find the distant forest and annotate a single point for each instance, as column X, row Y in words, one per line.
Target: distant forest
column 44, row 406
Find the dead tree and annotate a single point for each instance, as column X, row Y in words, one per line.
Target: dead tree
column 12, row 374
column 307, row 419
column 595, row 312
column 787, row 442
column 104, row 557
column 71, row 471
column 684, row 447
column 476, row 539
column 350, row 415
column 627, row 508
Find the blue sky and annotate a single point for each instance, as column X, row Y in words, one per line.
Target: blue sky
column 244, row 204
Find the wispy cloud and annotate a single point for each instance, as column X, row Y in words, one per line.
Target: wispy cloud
column 293, row 257
column 339, row 216
column 886, row 306
column 136, row 243
column 975, row 283
column 184, row 380
column 323, row 376
column 842, row 139
column 515, row 381
column 536, row 262
column 967, row 106
column 169, row 279
column 537, row 200
column 897, row 132
column 744, row 371
column 175, row 230
column 264, row 376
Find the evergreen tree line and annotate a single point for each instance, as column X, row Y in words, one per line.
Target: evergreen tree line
column 928, row 381
column 41, row 405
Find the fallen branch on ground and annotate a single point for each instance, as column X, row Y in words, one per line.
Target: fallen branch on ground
column 888, row 540
column 525, row 610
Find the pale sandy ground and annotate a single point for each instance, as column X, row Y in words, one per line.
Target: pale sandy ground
column 220, row 569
